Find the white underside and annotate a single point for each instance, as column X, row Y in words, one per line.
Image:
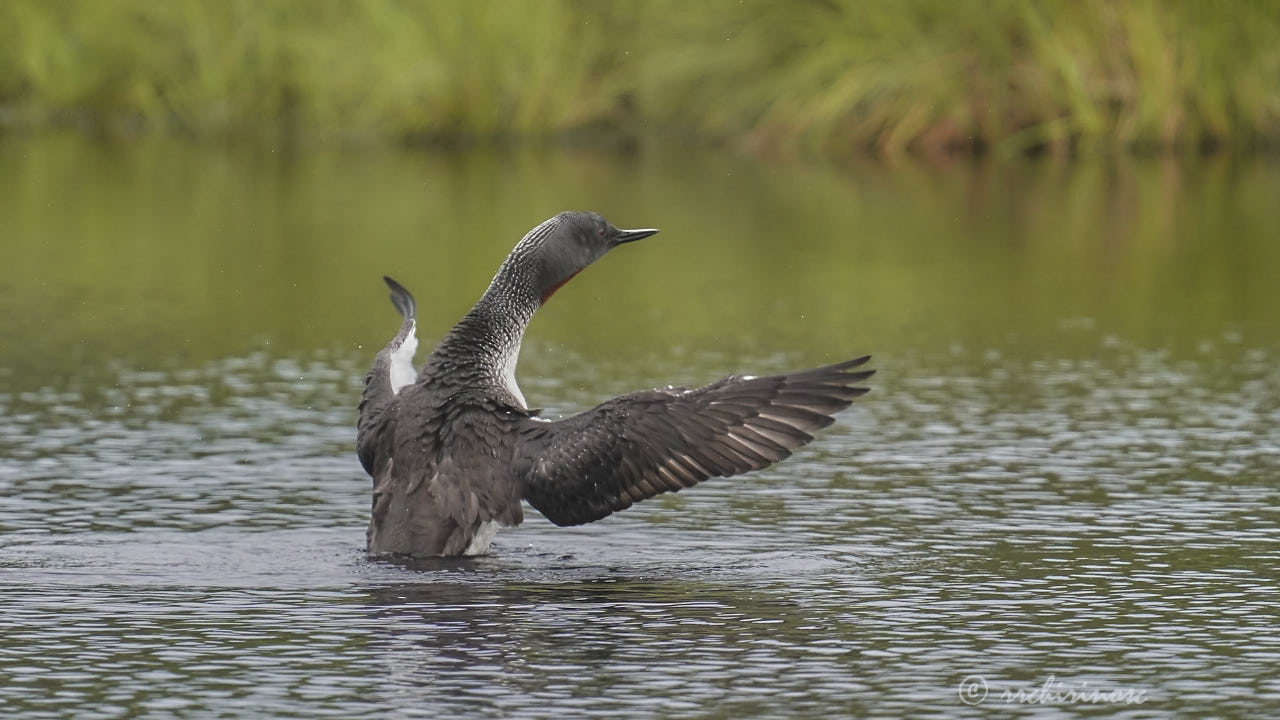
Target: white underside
column 484, row 535
column 402, row 371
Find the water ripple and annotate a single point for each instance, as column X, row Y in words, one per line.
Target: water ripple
column 187, row 543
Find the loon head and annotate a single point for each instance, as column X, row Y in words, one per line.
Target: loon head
column 563, row 246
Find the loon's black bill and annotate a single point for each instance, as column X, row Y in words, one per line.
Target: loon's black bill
column 632, row 235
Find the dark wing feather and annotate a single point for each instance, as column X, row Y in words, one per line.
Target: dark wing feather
column 377, row 383
column 635, row 446
column 402, row 299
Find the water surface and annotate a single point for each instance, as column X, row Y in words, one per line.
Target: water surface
column 1066, row 471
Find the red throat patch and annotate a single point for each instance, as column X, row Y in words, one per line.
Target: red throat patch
column 552, row 290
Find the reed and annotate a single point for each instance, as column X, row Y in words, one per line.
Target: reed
column 823, row 76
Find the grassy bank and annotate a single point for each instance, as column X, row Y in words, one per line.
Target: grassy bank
column 825, row 76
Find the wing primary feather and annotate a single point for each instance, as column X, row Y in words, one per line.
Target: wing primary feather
column 633, row 447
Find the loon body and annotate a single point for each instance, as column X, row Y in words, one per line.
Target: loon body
column 454, row 448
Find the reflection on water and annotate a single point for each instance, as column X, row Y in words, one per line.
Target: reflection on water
column 1066, row 468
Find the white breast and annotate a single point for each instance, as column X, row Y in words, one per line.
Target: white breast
column 508, row 375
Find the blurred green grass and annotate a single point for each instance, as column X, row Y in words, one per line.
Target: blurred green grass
column 810, row 77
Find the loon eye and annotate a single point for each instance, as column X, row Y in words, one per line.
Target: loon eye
column 601, row 232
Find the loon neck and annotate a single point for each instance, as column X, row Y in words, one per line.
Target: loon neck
column 482, row 349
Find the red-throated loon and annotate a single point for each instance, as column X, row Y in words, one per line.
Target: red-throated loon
column 453, row 449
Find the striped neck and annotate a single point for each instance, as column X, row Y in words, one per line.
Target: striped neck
column 481, row 351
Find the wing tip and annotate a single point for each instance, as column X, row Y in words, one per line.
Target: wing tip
column 841, row 373
column 402, row 298
column 850, row 364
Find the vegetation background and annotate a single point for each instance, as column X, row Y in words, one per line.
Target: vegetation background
column 812, row 77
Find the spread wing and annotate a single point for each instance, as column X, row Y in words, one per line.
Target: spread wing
column 635, row 446
column 392, row 370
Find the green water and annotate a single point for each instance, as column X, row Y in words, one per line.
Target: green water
column 163, row 254
column 1066, row 470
